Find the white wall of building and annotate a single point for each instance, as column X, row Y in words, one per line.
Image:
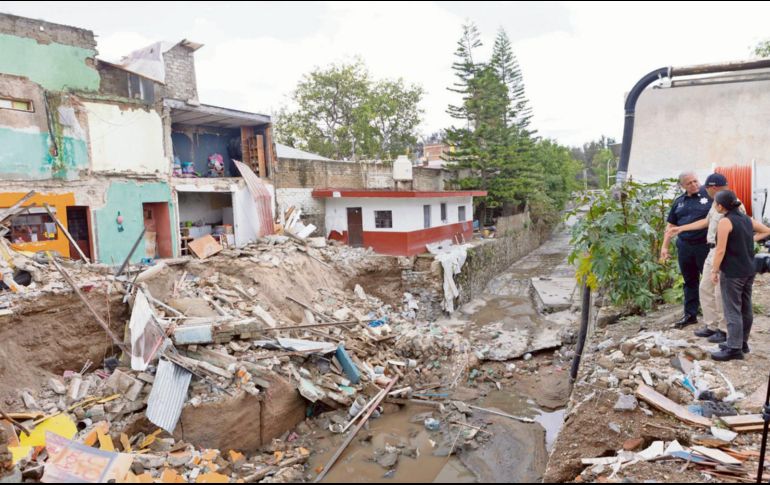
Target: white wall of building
column 408, row 213
column 699, row 127
column 125, row 140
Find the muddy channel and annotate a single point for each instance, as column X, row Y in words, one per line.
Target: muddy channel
column 516, row 329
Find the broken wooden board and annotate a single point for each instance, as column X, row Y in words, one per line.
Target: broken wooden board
column 661, row 402
column 750, row 428
column 205, row 246
column 743, row 420
column 716, row 455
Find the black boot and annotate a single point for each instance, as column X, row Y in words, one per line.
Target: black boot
column 685, row 321
column 746, row 349
column 727, row 354
column 704, row 332
column 718, row 337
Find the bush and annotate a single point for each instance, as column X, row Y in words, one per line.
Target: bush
column 617, row 243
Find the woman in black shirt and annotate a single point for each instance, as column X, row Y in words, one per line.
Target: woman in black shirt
column 734, row 266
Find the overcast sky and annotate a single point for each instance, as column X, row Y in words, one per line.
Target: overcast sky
column 578, row 59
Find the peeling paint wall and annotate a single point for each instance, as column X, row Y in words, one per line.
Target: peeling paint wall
column 127, row 198
column 54, row 66
column 126, row 139
column 33, row 148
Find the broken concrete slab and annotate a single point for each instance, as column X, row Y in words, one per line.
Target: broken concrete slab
column 555, row 294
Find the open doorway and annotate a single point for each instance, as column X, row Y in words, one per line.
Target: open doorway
column 157, row 236
column 202, row 213
column 78, row 225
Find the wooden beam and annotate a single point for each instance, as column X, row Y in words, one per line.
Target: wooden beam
column 80, row 295
column 261, row 156
column 12, row 210
column 355, row 431
column 66, row 233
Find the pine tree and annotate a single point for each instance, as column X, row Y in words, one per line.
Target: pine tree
column 465, row 68
column 507, row 68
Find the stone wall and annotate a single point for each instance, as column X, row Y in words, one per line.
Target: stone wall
column 46, row 32
column 493, row 256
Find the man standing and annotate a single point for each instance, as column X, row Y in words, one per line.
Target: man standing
column 692, row 250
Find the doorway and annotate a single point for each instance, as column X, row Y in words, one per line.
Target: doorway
column 355, row 227
column 78, row 225
column 157, row 237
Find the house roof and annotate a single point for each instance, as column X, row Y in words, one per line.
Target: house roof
column 284, row 151
column 208, row 115
column 148, row 61
column 394, row 194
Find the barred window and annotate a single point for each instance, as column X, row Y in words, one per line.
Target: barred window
column 383, row 219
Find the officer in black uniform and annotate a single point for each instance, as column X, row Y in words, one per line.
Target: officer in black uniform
column 691, row 246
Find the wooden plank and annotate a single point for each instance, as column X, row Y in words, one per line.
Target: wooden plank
column 246, row 133
column 743, row 420
column 261, row 156
column 205, row 247
column 355, row 431
column 661, row 402
column 751, row 428
column 716, row 455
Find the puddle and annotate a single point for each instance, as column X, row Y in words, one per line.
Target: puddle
column 516, row 405
column 355, row 464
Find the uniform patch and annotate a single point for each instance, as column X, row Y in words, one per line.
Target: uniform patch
column 704, row 201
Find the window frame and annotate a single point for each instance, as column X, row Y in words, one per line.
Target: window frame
column 388, row 220
column 13, row 100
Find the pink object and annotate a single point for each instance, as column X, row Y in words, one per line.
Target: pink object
column 120, row 219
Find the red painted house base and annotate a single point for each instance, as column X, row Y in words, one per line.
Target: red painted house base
column 410, row 243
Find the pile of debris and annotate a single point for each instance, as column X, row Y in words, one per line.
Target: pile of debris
column 231, row 331
column 706, row 427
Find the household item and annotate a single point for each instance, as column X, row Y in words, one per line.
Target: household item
column 216, row 165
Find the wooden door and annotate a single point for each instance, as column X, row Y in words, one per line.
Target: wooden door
column 355, row 227
column 78, row 227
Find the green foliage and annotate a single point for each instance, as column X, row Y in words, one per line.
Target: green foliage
column 762, row 49
column 494, row 147
column 617, row 244
column 342, row 113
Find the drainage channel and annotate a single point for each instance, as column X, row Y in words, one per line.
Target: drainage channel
column 518, row 371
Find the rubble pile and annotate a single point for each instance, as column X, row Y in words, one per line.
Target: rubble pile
column 242, row 324
column 665, row 406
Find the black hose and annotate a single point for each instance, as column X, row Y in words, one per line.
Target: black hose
column 763, row 449
column 630, row 108
column 584, row 317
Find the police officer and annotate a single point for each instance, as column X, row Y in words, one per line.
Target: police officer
column 691, row 246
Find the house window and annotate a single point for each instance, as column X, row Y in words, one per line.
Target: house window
column 16, row 104
column 383, row 219
column 32, row 227
column 461, row 213
column 444, row 218
column 426, row 215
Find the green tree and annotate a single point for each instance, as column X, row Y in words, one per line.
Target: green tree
column 341, row 113
column 506, row 66
column 762, row 49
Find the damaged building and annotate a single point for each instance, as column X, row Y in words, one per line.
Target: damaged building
column 115, row 149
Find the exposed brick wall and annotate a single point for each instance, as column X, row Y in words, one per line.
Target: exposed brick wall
column 60, row 34
column 114, row 81
column 180, row 74
column 313, row 209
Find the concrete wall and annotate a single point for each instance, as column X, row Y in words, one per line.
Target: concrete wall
column 127, row 197
column 55, row 56
column 27, row 145
column 206, row 206
column 292, row 173
column 493, row 256
column 180, row 74
column 126, row 139
column 697, row 127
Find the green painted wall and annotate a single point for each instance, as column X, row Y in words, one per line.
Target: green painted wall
column 24, row 155
column 127, row 197
column 56, row 67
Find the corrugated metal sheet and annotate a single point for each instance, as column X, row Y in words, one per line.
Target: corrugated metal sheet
column 261, row 196
column 169, row 392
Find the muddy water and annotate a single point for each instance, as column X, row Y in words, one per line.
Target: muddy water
column 516, row 405
column 356, row 464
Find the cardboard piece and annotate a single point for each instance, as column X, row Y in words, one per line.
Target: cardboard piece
column 205, row 247
column 72, row 462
